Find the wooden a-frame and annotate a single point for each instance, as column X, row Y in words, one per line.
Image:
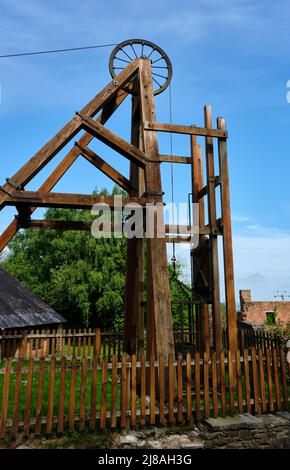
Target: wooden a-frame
column 143, row 186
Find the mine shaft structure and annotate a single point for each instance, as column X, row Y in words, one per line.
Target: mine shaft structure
column 141, row 69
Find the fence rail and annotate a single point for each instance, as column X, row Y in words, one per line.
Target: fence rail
column 59, row 394
column 88, row 342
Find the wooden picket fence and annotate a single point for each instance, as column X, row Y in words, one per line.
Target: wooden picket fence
column 60, row 342
column 65, row 394
column 88, row 342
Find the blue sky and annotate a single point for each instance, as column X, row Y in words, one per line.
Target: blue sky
column 232, row 55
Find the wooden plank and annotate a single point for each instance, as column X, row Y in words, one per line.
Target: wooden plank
column 50, row 401
column 284, row 378
column 97, row 342
column 158, row 290
column 104, row 393
column 38, row 416
column 179, row 390
column 83, row 394
column 114, row 392
column 143, row 390
column 105, row 168
column 123, row 390
column 5, row 398
column 269, row 380
column 231, row 383
column 133, row 390
column 161, row 389
column 171, row 388
column 66, row 200
column 214, row 385
column 61, row 401
column 239, row 381
column 227, row 240
column 152, row 390
column 210, row 175
column 17, row 396
column 206, row 385
column 255, row 382
column 44, row 155
column 180, row 129
column 262, row 381
column 64, row 165
column 276, row 380
column 247, row 381
column 114, row 141
column 72, row 402
column 93, row 400
column 28, row 397
column 52, row 350
column 174, row 159
column 188, row 389
column 223, row 384
column 197, row 387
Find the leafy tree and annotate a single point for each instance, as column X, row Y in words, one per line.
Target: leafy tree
column 80, row 276
column 83, row 278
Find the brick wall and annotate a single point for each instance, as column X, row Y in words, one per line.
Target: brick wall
column 255, row 311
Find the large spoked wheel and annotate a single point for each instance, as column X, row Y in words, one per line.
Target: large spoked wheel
column 126, row 51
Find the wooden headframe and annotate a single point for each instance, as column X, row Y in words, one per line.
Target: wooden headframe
column 143, row 186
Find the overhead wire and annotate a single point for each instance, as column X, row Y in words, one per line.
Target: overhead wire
column 53, row 51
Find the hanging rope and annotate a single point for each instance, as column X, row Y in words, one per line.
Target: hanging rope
column 173, row 259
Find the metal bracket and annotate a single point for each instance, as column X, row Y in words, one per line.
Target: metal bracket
column 15, row 186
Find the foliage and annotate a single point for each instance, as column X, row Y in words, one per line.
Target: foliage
column 280, row 330
column 82, row 277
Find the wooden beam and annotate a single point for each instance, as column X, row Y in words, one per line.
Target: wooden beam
column 114, row 141
column 179, row 129
column 134, row 293
column 65, row 164
column 160, row 328
column 86, row 226
column 105, row 168
column 227, row 242
column 73, row 201
column 173, row 159
column 43, row 156
column 213, row 226
column 203, row 192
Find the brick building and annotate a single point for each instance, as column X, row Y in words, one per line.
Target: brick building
column 258, row 312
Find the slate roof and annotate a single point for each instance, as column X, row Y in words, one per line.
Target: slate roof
column 21, row 308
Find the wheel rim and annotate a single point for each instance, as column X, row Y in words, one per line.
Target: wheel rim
column 127, row 51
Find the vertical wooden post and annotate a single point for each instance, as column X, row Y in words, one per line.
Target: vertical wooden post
column 134, row 314
column 158, row 292
column 213, row 227
column 197, row 184
column 227, row 241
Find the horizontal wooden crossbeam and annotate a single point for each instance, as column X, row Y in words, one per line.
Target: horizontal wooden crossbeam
column 182, row 230
column 64, row 200
column 174, row 159
column 190, row 130
column 105, row 168
column 114, row 141
column 203, row 192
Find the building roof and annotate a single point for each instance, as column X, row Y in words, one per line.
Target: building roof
column 21, row 308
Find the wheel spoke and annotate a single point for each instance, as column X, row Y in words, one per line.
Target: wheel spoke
column 161, row 76
column 160, row 58
column 124, row 52
column 159, row 67
column 134, row 51
column 119, row 68
column 153, row 49
column 156, row 82
column 127, row 62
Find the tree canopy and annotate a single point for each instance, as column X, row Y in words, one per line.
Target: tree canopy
column 80, row 276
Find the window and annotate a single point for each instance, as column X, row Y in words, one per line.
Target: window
column 270, row 318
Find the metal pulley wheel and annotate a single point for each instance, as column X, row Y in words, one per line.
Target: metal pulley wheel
column 125, row 52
